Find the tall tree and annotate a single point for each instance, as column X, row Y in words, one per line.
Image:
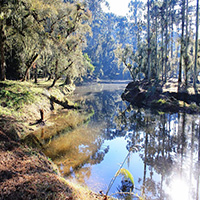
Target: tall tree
column 135, row 14
column 186, row 56
column 196, row 47
column 148, row 40
column 182, row 43
column 166, row 39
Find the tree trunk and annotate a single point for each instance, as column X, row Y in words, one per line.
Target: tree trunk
column 182, row 45
column 166, row 41
column 56, row 75
column 162, row 51
column 172, row 34
column 196, row 47
column 186, row 49
column 148, row 39
column 156, row 58
column 35, row 73
column 3, row 64
column 29, row 65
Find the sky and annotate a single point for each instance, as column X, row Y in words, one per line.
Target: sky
column 118, row 7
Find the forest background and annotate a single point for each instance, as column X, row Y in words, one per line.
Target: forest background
column 76, row 40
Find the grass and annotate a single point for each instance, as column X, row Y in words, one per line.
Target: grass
column 14, row 95
column 23, row 100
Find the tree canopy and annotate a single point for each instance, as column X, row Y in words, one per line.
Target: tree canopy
column 71, row 39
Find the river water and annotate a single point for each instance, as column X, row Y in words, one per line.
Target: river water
column 164, row 148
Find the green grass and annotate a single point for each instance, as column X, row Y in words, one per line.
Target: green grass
column 22, row 101
column 14, row 95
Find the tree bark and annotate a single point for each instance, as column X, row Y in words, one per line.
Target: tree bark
column 56, row 75
column 156, row 58
column 3, row 64
column 148, row 40
column 166, row 42
column 29, row 65
column 196, row 47
column 35, row 74
column 186, row 49
column 162, row 51
column 182, row 45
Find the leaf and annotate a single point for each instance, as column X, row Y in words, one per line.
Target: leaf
column 126, row 174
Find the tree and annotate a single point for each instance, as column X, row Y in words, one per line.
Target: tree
column 182, row 43
column 67, row 33
column 148, row 40
column 196, row 47
column 7, row 18
column 135, row 11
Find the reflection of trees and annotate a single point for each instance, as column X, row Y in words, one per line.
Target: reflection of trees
column 105, row 106
column 76, row 150
column 166, row 141
column 124, row 189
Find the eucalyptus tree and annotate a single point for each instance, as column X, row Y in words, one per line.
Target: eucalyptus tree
column 12, row 16
column 148, row 40
column 182, row 42
column 94, row 47
column 107, row 30
column 136, row 13
column 196, row 46
column 67, row 36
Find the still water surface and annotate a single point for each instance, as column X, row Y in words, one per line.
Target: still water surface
column 165, row 148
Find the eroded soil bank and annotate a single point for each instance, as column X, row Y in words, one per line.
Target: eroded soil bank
column 162, row 97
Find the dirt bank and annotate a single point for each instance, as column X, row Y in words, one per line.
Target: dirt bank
column 25, row 172
column 162, row 97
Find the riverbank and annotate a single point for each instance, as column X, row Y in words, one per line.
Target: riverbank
column 25, row 172
column 162, row 97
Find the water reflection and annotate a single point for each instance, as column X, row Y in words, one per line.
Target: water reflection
column 165, row 164
column 169, row 148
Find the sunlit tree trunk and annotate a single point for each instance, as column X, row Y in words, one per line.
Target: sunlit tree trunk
column 182, row 45
column 166, row 41
column 156, row 56
column 148, row 39
column 196, row 47
column 172, row 39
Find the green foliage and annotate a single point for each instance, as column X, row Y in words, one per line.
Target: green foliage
column 53, row 30
column 89, row 64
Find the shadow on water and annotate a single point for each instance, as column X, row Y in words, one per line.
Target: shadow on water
column 166, row 164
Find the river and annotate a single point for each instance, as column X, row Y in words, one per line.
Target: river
column 164, row 148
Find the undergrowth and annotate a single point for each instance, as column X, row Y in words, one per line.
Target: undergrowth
column 14, row 95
